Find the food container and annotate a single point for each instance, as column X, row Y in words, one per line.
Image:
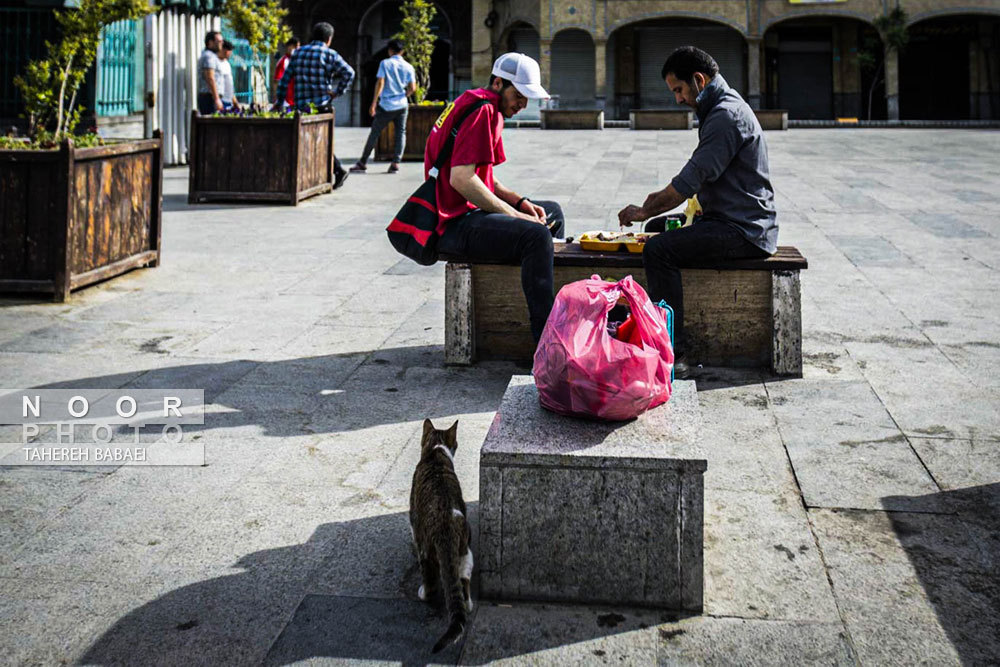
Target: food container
column 590, row 241
column 637, row 241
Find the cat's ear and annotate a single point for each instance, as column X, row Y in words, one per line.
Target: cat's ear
column 453, row 435
column 428, row 427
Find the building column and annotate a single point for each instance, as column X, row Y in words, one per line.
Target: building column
column 601, row 72
column 482, row 43
column 753, row 72
column 545, row 62
column 892, row 84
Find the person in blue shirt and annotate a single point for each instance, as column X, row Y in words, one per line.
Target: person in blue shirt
column 321, row 76
column 394, row 82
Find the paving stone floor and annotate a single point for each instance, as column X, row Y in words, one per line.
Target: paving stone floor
column 852, row 515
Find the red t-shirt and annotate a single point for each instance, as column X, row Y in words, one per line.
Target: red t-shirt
column 478, row 142
column 280, row 72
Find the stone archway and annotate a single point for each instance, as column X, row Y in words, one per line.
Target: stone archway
column 573, row 69
column 950, row 70
column 812, row 66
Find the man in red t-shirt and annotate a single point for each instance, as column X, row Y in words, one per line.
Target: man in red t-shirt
column 279, row 71
column 478, row 217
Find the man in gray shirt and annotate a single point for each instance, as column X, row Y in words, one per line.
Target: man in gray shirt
column 729, row 173
column 210, row 75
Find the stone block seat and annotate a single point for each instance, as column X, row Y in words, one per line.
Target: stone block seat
column 590, row 512
column 738, row 313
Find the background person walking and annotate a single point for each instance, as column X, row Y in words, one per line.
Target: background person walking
column 210, row 81
column 394, row 82
column 229, row 102
column 321, row 76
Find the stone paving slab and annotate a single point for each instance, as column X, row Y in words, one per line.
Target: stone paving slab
column 921, row 575
column 326, row 350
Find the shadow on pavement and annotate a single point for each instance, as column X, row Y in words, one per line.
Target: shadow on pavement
column 957, row 560
column 322, row 394
column 348, row 593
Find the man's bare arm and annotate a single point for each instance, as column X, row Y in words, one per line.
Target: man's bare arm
column 512, row 198
column 656, row 203
column 379, row 86
column 209, row 77
column 411, row 88
column 468, row 184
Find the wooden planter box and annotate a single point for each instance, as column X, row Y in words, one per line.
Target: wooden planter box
column 572, row 119
column 260, row 159
column 660, row 119
column 75, row 216
column 772, row 119
column 419, row 123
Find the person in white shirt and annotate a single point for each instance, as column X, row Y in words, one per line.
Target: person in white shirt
column 228, row 96
column 394, row 82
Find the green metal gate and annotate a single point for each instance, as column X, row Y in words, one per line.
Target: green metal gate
column 120, row 69
column 242, row 63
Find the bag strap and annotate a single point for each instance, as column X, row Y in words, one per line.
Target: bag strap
column 449, row 143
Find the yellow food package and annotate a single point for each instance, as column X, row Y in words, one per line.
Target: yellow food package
column 693, row 209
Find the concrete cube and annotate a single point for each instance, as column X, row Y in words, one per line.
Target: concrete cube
column 592, row 512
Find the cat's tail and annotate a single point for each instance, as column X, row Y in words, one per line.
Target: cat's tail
column 454, row 593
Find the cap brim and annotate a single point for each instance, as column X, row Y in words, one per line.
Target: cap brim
column 532, row 91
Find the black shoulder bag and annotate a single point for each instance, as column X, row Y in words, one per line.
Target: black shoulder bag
column 413, row 232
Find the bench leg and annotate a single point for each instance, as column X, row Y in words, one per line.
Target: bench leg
column 786, row 314
column 459, row 318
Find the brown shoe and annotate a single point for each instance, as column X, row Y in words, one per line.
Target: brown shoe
column 394, row 167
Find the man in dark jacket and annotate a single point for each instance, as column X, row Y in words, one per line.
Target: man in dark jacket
column 729, row 173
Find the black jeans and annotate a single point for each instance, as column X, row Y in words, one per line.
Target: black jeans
column 479, row 235
column 379, row 123
column 665, row 253
column 206, row 104
column 338, row 168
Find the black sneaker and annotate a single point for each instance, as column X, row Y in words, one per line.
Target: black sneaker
column 340, row 178
column 358, row 168
column 394, row 168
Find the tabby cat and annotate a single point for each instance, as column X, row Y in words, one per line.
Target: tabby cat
column 440, row 529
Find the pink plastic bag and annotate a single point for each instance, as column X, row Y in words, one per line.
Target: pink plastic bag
column 580, row 369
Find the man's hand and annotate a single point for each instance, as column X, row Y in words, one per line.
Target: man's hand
column 534, row 210
column 218, row 104
column 630, row 214
column 371, row 110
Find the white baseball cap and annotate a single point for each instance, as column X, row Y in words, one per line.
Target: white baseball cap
column 523, row 72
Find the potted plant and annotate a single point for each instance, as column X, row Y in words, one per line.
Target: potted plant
column 259, row 155
column 77, row 208
column 418, row 43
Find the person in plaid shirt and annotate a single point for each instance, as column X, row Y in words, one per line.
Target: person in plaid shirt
column 315, row 67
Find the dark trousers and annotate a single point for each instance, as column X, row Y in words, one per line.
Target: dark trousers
column 338, row 168
column 206, row 104
column 501, row 238
column 379, row 123
column 665, row 253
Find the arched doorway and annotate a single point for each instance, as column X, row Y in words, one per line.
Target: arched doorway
column 378, row 25
column 824, row 67
column 573, row 71
column 521, row 37
column 950, row 70
column 636, row 53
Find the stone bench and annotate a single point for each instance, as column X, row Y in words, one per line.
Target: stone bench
column 660, row 119
column 572, row 119
column 772, row 119
column 743, row 313
column 590, row 512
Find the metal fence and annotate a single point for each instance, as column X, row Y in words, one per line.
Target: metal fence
column 23, row 32
column 242, row 63
column 120, row 69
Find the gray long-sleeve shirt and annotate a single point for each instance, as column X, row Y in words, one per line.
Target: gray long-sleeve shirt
column 729, row 168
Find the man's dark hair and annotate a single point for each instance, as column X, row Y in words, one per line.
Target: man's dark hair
column 322, row 31
column 504, row 86
column 210, row 36
column 228, row 46
column 293, row 41
column 687, row 60
column 395, row 46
